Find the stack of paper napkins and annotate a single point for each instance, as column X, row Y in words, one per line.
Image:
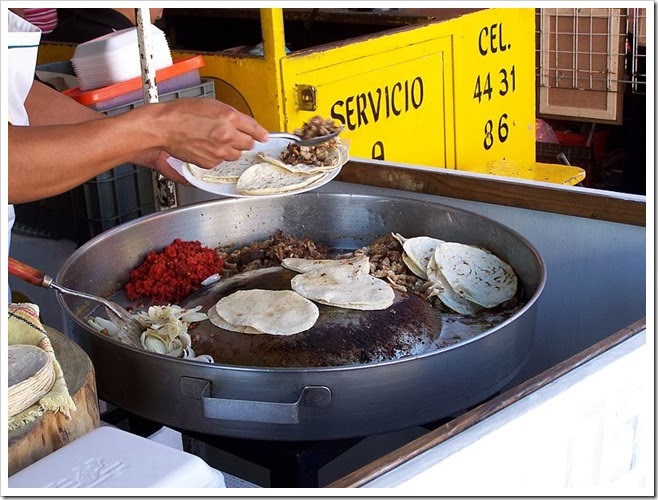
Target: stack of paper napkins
column 114, row 57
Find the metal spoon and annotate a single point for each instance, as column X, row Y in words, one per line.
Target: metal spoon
column 129, row 328
column 313, row 141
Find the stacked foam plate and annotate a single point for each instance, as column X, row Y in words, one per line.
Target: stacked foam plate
column 114, row 58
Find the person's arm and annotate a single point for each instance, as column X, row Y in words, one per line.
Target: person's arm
column 48, row 158
column 47, row 106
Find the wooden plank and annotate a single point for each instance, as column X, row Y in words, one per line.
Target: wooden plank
column 499, row 190
column 441, row 434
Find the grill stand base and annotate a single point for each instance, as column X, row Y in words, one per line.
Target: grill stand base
column 290, row 464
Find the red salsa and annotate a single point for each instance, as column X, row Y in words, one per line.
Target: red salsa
column 171, row 275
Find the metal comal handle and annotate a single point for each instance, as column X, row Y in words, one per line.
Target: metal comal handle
column 312, row 396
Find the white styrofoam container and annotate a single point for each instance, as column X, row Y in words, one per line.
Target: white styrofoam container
column 115, row 57
column 108, row 457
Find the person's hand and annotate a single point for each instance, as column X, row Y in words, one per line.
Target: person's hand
column 201, row 131
column 157, row 160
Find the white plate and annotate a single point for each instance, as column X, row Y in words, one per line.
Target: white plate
column 274, row 149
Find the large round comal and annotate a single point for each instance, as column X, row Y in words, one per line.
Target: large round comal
column 300, row 404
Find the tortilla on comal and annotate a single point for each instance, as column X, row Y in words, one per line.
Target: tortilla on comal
column 357, row 263
column 342, row 287
column 277, row 312
column 476, row 274
column 417, row 252
column 446, row 294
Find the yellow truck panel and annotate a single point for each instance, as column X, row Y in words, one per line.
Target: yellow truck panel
column 453, row 94
column 494, row 92
column 389, row 97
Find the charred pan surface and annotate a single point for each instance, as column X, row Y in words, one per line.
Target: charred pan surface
column 340, row 336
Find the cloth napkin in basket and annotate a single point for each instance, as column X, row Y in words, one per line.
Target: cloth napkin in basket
column 24, row 327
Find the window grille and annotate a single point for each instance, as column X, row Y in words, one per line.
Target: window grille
column 595, row 49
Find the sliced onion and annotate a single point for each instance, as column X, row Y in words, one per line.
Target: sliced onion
column 175, row 349
column 105, row 326
column 166, row 329
column 153, row 343
column 188, row 353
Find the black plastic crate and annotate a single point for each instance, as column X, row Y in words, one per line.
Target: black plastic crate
column 119, row 195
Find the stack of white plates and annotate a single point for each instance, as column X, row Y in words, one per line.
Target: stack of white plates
column 115, row 57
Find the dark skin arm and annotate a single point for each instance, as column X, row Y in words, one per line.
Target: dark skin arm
column 67, row 143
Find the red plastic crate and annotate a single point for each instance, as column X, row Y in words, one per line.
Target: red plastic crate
column 181, row 74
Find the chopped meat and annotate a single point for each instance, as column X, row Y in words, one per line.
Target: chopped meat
column 320, row 155
column 317, row 126
column 386, row 262
column 269, row 253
